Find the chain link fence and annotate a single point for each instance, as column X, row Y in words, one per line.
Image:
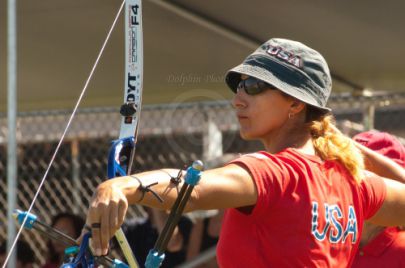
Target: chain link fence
column 170, row 136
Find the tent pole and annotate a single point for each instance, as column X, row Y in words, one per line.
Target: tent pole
column 12, row 118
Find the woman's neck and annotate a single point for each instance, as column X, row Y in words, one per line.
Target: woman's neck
column 294, row 134
column 304, row 146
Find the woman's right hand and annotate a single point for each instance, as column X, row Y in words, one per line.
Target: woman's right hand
column 106, row 214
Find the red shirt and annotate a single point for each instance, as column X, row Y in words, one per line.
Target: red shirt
column 387, row 249
column 309, row 213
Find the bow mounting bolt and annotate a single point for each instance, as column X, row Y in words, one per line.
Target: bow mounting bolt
column 128, row 109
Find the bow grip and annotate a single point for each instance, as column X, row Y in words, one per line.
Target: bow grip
column 119, row 157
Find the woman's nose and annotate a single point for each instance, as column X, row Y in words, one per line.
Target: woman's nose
column 238, row 101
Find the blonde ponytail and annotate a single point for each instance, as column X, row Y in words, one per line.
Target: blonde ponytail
column 330, row 144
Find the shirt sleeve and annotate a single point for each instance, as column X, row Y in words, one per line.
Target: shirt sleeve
column 268, row 174
column 373, row 192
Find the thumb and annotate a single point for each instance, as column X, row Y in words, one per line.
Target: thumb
column 85, row 230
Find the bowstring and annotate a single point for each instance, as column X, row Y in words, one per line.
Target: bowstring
column 63, row 135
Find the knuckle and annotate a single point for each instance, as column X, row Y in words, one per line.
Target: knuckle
column 123, row 203
column 97, row 205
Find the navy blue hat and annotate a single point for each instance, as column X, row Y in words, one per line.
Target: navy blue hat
column 291, row 67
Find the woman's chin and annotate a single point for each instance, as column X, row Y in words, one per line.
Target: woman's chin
column 246, row 135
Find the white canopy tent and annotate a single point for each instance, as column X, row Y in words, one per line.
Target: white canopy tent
column 189, row 45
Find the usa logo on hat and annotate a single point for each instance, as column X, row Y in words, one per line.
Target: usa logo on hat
column 284, row 55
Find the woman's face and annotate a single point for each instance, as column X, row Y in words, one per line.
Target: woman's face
column 261, row 114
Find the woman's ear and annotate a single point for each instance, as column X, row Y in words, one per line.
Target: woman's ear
column 296, row 106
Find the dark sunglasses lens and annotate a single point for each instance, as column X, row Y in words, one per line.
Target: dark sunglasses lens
column 253, row 86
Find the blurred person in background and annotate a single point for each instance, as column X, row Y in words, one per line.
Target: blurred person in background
column 381, row 246
column 142, row 234
column 204, row 236
column 301, row 202
column 71, row 225
column 25, row 255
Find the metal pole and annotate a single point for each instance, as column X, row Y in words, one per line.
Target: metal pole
column 74, row 147
column 371, row 116
column 212, row 139
column 12, row 118
column 368, row 117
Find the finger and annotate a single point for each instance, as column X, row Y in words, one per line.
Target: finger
column 122, row 210
column 80, row 238
column 114, row 225
column 105, row 231
column 93, row 217
column 96, row 241
column 86, row 228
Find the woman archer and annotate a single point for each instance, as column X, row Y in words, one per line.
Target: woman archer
column 301, row 202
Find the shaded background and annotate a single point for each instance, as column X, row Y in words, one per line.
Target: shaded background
column 189, row 44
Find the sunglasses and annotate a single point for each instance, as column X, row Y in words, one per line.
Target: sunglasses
column 253, row 86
